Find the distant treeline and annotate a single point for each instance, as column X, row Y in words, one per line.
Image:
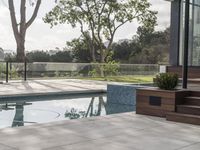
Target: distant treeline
column 146, row 47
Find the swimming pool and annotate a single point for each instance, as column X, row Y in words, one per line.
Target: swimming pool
column 24, row 111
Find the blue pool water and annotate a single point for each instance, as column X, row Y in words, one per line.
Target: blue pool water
column 30, row 110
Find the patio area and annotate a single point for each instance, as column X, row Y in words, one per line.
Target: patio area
column 125, row 131
column 62, row 86
column 38, row 87
column 114, row 132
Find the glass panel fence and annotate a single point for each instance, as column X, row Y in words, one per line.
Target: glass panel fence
column 16, row 71
column 48, row 70
column 2, row 71
column 77, row 70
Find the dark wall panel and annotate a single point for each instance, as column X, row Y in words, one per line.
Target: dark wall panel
column 175, row 32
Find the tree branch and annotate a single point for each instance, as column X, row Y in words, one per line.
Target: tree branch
column 100, row 41
column 34, row 14
column 89, row 42
column 23, row 17
column 92, row 23
column 104, row 5
column 13, row 19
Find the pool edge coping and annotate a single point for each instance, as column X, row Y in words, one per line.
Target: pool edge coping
column 53, row 93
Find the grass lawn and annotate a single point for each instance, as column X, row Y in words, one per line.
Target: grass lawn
column 132, row 79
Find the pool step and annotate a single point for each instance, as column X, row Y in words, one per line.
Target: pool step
column 183, row 118
column 192, row 100
column 188, row 109
column 195, row 93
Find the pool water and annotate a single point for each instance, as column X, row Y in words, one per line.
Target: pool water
column 31, row 110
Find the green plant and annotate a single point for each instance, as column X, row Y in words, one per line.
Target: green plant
column 166, row 81
column 110, row 68
column 93, row 73
column 13, row 73
column 57, row 74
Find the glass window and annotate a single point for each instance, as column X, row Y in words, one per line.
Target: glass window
column 194, row 33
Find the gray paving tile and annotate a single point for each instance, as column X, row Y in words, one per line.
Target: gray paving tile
column 138, row 123
column 185, row 133
column 5, row 147
column 105, row 132
column 148, row 142
column 195, row 146
column 37, row 142
column 93, row 145
column 121, row 132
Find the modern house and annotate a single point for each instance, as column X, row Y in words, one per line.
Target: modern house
column 178, row 105
column 185, row 29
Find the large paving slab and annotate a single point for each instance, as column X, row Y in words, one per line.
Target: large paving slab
column 126, row 131
column 52, row 86
column 37, row 87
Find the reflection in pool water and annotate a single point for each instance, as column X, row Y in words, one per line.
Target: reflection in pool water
column 40, row 110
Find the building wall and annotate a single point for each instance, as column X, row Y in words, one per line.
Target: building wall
column 175, row 33
column 177, row 38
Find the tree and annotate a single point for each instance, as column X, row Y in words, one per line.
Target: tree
column 150, row 55
column 19, row 29
column 38, row 56
column 10, row 57
column 154, row 47
column 44, row 56
column 124, row 49
column 80, row 50
column 62, row 56
column 148, row 37
column 99, row 20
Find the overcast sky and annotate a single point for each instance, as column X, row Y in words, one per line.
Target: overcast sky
column 41, row 37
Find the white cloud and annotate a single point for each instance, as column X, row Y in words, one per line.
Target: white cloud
column 41, row 36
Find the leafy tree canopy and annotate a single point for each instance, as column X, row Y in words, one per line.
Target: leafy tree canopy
column 100, row 19
column 38, row 56
column 154, row 47
column 62, row 56
column 80, row 50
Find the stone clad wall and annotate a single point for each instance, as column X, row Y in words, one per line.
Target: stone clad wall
column 122, row 94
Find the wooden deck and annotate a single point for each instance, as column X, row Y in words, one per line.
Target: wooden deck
column 188, row 111
column 179, row 105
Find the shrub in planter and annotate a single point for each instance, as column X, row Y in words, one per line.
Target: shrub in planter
column 166, row 81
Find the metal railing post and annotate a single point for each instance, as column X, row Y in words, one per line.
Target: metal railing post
column 10, row 70
column 25, row 71
column 186, row 45
column 6, row 71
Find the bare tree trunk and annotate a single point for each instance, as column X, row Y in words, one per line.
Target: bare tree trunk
column 102, row 61
column 90, row 43
column 21, row 50
column 19, row 30
column 93, row 54
column 92, row 49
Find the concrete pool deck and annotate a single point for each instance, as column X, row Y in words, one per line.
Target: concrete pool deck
column 72, row 86
column 126, row 131
column 32, row 87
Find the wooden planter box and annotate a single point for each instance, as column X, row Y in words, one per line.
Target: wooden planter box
column 156, row 102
